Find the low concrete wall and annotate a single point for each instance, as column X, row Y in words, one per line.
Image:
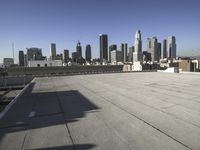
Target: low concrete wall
column 45, row 71
column 11, row 81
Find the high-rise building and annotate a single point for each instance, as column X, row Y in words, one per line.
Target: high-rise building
column 88, row 53
column 79, row 50
column 34, row 54
column 124, row 52
column 164, row 51
column 146, row 56
column 137, row 54
column 169, row 48
column 74, row 57
column 65, row 55
column 25, row 60
column 130, row 54
column 111, row 48
column 116, row 56
column 103, row 40
column 21, row 58
column 159, row 50
column 52, row 51
column 152, row 47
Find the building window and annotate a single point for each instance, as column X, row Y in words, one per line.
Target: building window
column 38, row 65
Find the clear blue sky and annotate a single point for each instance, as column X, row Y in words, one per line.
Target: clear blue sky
column 37, row 23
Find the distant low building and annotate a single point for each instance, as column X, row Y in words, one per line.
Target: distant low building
column 45, row 63
column 137, row 66
column 7, row 62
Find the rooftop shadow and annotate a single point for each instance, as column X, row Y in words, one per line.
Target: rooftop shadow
column 70, row 147
column 47, row 109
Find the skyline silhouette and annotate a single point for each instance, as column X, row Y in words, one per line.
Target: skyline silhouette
column 39, row 23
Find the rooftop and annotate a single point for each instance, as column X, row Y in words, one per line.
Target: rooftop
column 121, row 111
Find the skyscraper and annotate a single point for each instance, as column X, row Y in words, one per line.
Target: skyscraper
column 65, row 55
column 169, row 47
column 124, row 52
column 111, row 48
column 159, row 50
column 79, row 50
column 103, row 40
column 88, row 53
column 52, row 51
column 116, row 56
column 21, row 58
column 130, row 54
column 34, row 54
column 152, row 47
column 137, row 54
column 164, row 51
column 74, row 57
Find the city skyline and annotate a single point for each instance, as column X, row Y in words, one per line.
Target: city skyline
column 65, row 22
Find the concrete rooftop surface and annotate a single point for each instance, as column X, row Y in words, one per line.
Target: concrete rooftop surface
column 121, row 111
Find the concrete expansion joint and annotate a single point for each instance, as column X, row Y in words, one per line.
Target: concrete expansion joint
column 152, row 126
column 146, row 123
column 66, row 124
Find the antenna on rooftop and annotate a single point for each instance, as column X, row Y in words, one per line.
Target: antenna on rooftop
column 13, row 51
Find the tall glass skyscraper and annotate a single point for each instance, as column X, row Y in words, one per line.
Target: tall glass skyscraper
column 65, row 55
column 53, row 51
column 124, row 48
column 21, row 58
column 88, row 53
column 169, row 47
column 103, row 40
column 152, row 48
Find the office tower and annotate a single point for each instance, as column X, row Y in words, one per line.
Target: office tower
column 116, row 56
column 65, row 55
column 152, row 47
column 21, row 58
column 25, row 60
column 124, row 51
column 88, row 53
column 34, row 54
column 159, row 50
column 137, row 54
column 111, row 48
column 130, row 54
column 146, row 56
column 52, row 51
column 74, row 57
column 103, row 40
column 79, row 50
column 164, row 51
column 171, row 47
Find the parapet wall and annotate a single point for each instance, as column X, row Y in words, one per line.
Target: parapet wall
column 68, row 70
column 13, row 81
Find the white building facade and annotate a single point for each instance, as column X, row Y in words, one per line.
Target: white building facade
column 45, row 63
